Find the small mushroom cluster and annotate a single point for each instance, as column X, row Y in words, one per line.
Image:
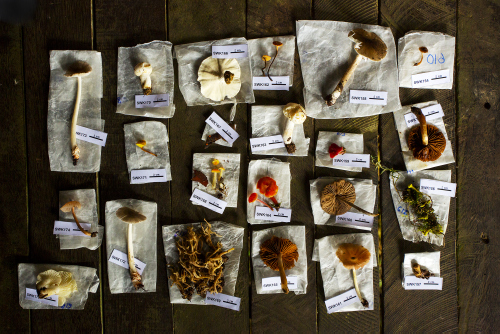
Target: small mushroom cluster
column 266, row 58
column 218, row 179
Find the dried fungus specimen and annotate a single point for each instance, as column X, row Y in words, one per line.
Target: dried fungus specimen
column 213, row 138
column 60, row 283
column 70, row 207
column 279, row 254
column 335, row 150
column 141, row 144
column 338, row 197
column 426, row 141
column 422, row 50
column 354, row 257
column 200, row 177
column 419, row 271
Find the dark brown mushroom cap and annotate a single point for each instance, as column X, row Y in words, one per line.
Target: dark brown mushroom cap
column 368, row 44
column 435, row 147
column 70, row 205
column 353, row 256
column 423, row 49
column 330, row 201
column 129, row 215
column 79, row 68
column 271, row 248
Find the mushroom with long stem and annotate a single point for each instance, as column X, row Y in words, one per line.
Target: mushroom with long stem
column 78, row 69
column 268, row 187
column 277, row 45
column 141, row 144
column 422, row 50
column 354, row 257
column 265, row 58
column 279, row 254
column 426, row 141
column 255, row 197
column 70, row 207
column 338, row 197
column 294, row 114
column 143, row 71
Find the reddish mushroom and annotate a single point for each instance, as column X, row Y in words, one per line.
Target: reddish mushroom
column 254, row 197
column 335, row 150
column 268, row 187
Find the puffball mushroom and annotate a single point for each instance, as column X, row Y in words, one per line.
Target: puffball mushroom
column 426, row 141
column 219, row 78
column 131, row 217
column 279, row 254
column 78, row 69
column 60, row 283
column 368, row 46
column 143, row 71
column 70, row 207
column 295, row 114
column 354, row 257
column 338, row 197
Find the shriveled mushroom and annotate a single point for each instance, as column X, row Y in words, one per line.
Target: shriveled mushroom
column 143, row 71
column 422, row 50
column 78, row 69
column 219, row 78
column 131, row 217
column 141, row 144
column 60, row 283
column 419, row 271
column 338, row 197
column 268, row 187
column 368, row 46
column 426, row 141
column 255, row 197
column 70, row 207
column 279, row 254
column 354, row 257
column 295, row 114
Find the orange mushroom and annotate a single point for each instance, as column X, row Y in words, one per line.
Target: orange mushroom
column 354, row 257
column 254, row 197
column 268, row 187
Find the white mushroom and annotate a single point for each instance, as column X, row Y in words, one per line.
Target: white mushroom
column 219, row 78
column 60, row 283
column 295, row 114
column 143, row 71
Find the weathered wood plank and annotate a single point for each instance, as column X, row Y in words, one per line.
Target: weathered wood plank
column 478, row 182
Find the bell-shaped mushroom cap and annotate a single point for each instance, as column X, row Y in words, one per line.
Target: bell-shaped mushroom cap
column 368, row 44
column 295, row 113
column 213, row 82
column 330, row 195
column 79, row 68
column 271, row 248
column 70, row 205
column 353, row 256
column 143, row 68
column 129, row 215
column 267, row 186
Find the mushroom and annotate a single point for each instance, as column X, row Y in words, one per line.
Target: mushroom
column 215, row 172
column 335, row 150
column 131, row 217
column 419, row 271
column 70, row 207
column 265, row 58
column 268, row 187
column 141, row 144
column 277, row 45
column 295, row 114
column 60, row 283
column 426, row 141
column 338, row 197
column 422, row 50
column 255, row 197
column 219, row 78
column 143, row 71
column 368, row 46
column 354, row 257
column 78, row 69
column 279, row 254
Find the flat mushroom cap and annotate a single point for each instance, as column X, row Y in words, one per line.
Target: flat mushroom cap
column 70, row 205
column 295, row 113
column 329, row 197
column 79, row 68
column 368, row 44
column 353, row 256
column 271, row 248
column 129, row 215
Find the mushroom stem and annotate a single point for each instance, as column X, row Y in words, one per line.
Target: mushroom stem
column 75, row 151
column 84, row 231
column 284, row 282
column 358, row 208
column 423, row 125
column 364, row 302
column 421, row 58
column 265, row 65
column 269, row 69
column 332, row 98
column 142, row 148
column 134, row 274
column 258, row 200
column 288, row 133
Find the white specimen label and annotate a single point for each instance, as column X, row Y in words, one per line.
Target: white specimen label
column 69, row 228
column 281, row 216
column 415, row 283
column 152, row 101
column 138, row 176
column 266, row 143
column 430, row 113
column 430, row 78
column 230, row 51
column 120, row 258
column 438, row 187
column 336, row 303
column 219, row 125
column 352, row 160
column 91, row 136
column 32, row 295
column 368, row 97
column 274, row 283
column 356, row 219
column 278, row 83
column 222, row 300
column 208, row 201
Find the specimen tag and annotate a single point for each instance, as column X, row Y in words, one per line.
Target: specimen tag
column 438, row 187
column 430, row 113
column 222, row 300
column 415, row 283
column 32, row 295
column 274, row 283
column 208, row 201
column 281, row 216
column 266, row 143
column 152, row 101
column 356, row 219
column 352, row 160
column 91, row 136
column 278, row 83
column 120, row 258
column 430, row 78
column 138, row 176
column 230, row 51
column 336, row 303
column 219, row 125
column 368, row 97
column 69, row 228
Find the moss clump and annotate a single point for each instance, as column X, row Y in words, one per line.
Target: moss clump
column 421, row 205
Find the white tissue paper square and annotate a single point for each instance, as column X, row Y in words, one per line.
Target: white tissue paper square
column 427, row 260
column 209, row 131
column 352, row 142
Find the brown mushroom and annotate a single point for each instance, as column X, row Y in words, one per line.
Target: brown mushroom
column 422, row 50
column 338, row 197
column 277, row 45
column 279, row 254
column 70, row 207
column 354, row 257
column 368, row 46
column 426, row 141
column 419, row 271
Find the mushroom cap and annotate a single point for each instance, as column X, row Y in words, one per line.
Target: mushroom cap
column 368, row 44
column 252, row 198
column 266, row 58
column 212, row 81
column 271, row 248
column 434, row 148
column 277, row 44
column 353, row 256
column 143, row 68
column 71, row 204
column 79, row 68
column 423, row 49
column 295, row 113
column 267, row 186
column 129, row 215
column 51, row 282
column 330, row 202
column 141, row 143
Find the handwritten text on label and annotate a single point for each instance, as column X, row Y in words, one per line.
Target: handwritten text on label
column 352, row 160
column 230, row 51
column 222, row 300
column 151, row 101
column 264, row 213
column 336, row 303
column 120, row 258
column 139, row 176
column 219, row 125
column 368, row 97
column 208, row 201
column 266, row 143
column 91, row 136
column 430, row 78
column 278, row 83
column 415, row 283
column 274, row 283
column 69, row 228
column 32, row 295
column 438, row 187
column 355, row 219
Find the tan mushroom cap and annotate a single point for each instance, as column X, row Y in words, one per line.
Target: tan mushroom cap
column 79, row 68
column 129, row 215
column 353, row 256
column 271, row 248
column 436, row 142
column 368, row 44
column 295, row 113
column 330, row 201
column 70, row 205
